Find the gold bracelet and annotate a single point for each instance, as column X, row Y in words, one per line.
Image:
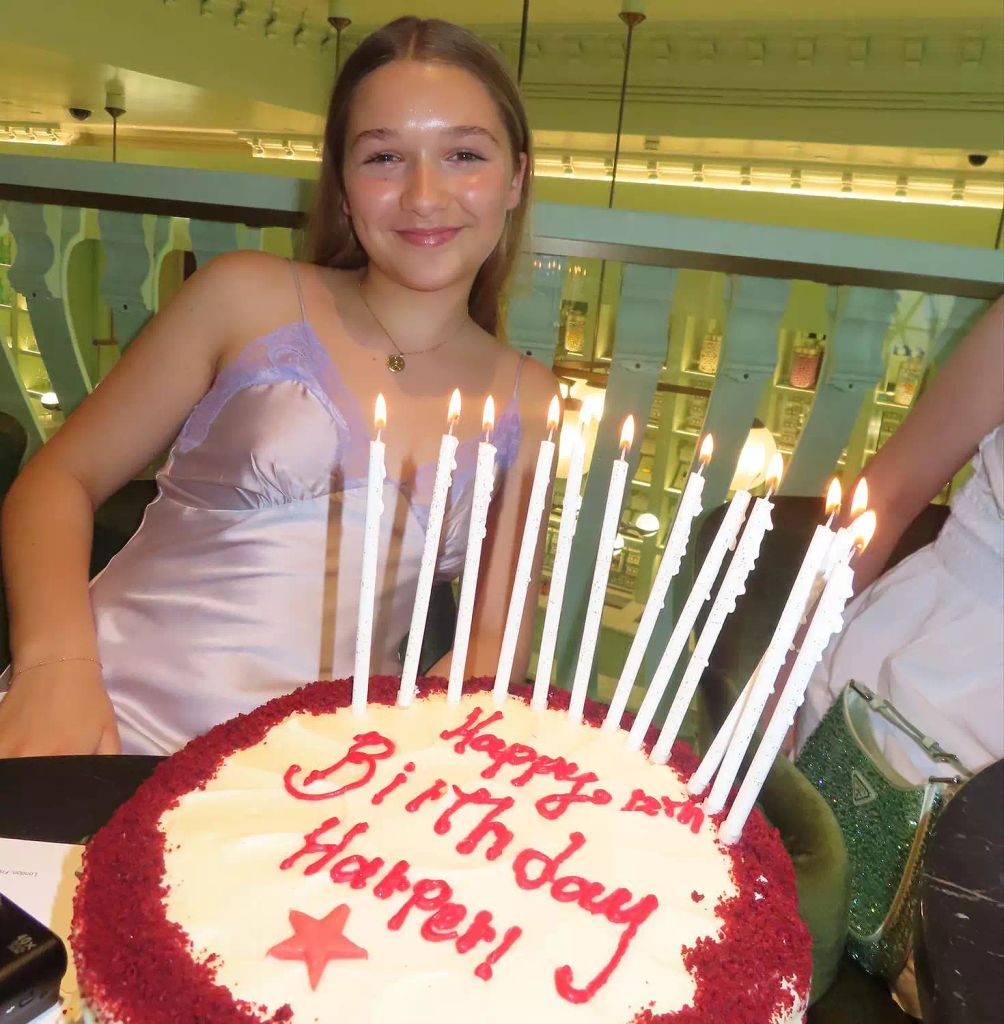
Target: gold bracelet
column 53, row 661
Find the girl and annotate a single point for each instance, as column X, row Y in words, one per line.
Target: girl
column 241, row 582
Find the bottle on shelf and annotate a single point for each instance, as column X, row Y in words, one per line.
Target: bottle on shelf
column 711, row 350
column 805, row 361
column 908, row 378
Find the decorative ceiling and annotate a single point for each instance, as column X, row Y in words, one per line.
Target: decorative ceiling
column 922, row 81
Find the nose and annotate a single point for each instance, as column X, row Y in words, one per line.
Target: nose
column 425, row 190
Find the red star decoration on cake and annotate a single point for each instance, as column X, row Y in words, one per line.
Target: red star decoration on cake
column 315, row 942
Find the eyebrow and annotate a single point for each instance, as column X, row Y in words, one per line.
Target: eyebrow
column 457, row 131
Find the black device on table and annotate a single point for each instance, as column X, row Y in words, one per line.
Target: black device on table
column 32, row 964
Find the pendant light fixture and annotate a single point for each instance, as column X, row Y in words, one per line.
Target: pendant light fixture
column 522, row 42
column 339, row 20
column 632, row 15
column 115, row 108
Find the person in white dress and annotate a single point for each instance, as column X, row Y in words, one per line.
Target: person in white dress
column 929, row 634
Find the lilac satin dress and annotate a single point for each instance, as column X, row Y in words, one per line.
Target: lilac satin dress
column 242, row 581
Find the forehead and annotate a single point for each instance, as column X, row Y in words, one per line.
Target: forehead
column 410, row 95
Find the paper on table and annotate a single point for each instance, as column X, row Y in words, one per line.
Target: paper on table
column 40, row 878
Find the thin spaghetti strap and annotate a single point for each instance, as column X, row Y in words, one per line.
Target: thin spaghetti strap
column 519, row 372
column 299, row 290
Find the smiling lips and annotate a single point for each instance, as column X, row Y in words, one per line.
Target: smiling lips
column 428, row 238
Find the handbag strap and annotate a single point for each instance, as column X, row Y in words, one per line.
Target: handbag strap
column 930, row 745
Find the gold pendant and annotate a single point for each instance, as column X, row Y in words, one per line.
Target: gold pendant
column 395, row 363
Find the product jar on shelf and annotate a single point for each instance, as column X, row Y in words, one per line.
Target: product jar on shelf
column 805, row 362
column 710, row 351
column 911, row 370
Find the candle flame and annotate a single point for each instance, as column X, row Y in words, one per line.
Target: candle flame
column 707, row 450
column 488, row 419
column 380, row 413
column 834, row 497
column 552, row 414
column 864, row 529
column 775, row 469
column 454, row 411
column 627, row 435
column 859, row 502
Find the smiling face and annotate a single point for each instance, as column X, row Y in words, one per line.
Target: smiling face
column 429, row 174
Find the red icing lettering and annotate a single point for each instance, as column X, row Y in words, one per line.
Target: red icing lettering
column 434, row 792
column 471, row 736
column 576, row 841
column 469, row 729
column 488, row 826
column 484, row 969
column 426, row 894
column 641, row 801
column 512, row 754
column 553, row 807
column 359, row 755
column 686, row 812
column 576, row 889
column 398, row 780
column 614, row 907
column 356, row 870
column 442, row 926
column 633, row 917
column 396, row 880
column 481, row 930
column 328, row 851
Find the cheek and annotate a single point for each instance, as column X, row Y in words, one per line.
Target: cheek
column 486, row 194
column 368, row 197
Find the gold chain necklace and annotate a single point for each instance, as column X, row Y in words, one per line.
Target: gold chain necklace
column 396, row 363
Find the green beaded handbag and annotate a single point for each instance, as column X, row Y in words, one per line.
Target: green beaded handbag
column 885, row 820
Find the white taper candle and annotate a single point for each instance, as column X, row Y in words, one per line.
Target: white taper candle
column 733, row 584
column 484, row 478
column 367, row 573
column 763, row 680
column 827, row 619
column 559, row 568
column 445, row 466
column 601, row 573
column 699, row 593
column 676, row 545
column 524, row 563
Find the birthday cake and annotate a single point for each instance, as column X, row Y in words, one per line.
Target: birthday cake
column 441, row 862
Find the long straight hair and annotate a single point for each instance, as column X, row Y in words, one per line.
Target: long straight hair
column 331, row 240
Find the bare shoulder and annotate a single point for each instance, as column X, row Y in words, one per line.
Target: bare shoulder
column 246, row 281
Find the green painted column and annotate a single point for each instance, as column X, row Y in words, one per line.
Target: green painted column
column 754, row 309
column 951, row 320
column 853, row 366
column 45, row 236
column 128, row 282
column 532, row 319
column 210, row 238
column 638, row 359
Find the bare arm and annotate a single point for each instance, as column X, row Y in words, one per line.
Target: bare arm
column 60, row 705
column 501, row 546
column 941, row 433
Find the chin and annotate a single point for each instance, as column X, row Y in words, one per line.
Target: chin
column 435, row 270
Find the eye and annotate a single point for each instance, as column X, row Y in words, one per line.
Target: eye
column 380, row 158
column 466, row 156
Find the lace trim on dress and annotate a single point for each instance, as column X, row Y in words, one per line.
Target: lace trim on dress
column 285, row 354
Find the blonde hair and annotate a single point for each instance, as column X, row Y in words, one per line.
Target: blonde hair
column 331, row 240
